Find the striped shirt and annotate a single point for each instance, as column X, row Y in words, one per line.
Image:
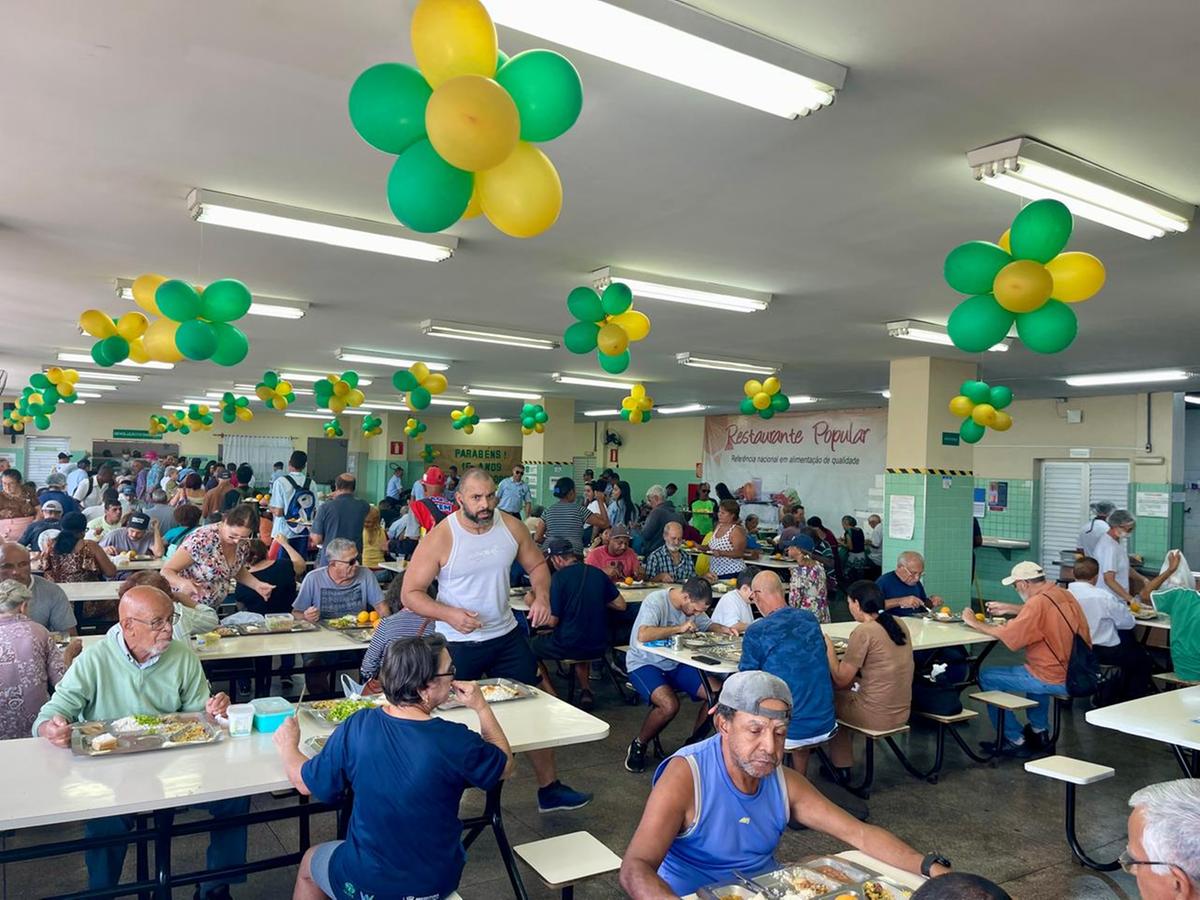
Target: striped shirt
column 403, row 624
column 565, row 520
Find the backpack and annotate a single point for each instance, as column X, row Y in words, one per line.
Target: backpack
column 1083, row 672
column 299, row 509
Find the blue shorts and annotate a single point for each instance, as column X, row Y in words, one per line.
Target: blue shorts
column 648, row 679
column 319, row 865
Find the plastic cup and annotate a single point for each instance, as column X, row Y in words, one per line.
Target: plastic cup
column 241, row 719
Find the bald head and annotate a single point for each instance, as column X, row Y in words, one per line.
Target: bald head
column 767, row 591
column 146, row 602
column 472, row 475
column 14, row 563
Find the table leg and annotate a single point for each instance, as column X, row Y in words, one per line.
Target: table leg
column 710, row 701
column 493, row 818
column 163, row 820
column 977, row 662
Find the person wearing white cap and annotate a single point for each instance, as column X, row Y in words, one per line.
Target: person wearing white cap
column 51, row 518
column 721, row 805
column 1045, row 627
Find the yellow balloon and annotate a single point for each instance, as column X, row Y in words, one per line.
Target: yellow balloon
column 752, row 387
column 283, row 388
column 97, row 324
column 203, row 409
column 132, row 325
column 984, row 414
column 245, row 413
column 1003, row 421
column 961, row 406
column 469, row 429
column 137, row 351
column 337, row 404
column 452, row 38
column 771, row 385
column 159, row 341
column 355, row 397
column 72, row 375
column 420, row 371
column 638, row 391
column 1004, row 241
column 341, row 389
column 434, row 382
column 522, row 196
column 66, row 389
column 636, row 324
column 474, row 210
column 55, row 374
column 468, row 411
column 1022, row 286
column 761, row 400
column 612, row 340
column 472, row 123
column 144, row 287
column 702, row 564
column 1077, row 276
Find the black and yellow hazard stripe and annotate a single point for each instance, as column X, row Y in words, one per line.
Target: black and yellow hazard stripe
column 930, row 472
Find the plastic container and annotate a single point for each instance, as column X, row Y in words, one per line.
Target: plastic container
column 241, row 719
column 279, row 621
column 270, row 712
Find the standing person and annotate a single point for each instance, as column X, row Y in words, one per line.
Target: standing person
column 48, row 605
column 565, row 518
column 214, row 500
column 341, row 516
column 213, row 557
column 873, row 543
column 395, row 484
column 56, row 489
column 595, row 510
column 1112, row 557
column 1095, row 529
column 277, row 471
column 662, row 512
column 471, row 553
column 452, row 480
column 1182, row 604
column 808, row 587
column 727, row 547
column 77, row 476
column 192, row 491
column 30, row 661
column 513, row 495
column 292, row 505
column 434, row 505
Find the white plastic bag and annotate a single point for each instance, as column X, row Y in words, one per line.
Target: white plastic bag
column 1181, row 577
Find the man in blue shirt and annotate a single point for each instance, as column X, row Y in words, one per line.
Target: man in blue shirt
column 513, row 495
column 56, row 489
column 902, row 590
column 395, row 485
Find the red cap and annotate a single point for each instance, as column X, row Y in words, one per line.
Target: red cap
column 433, row 475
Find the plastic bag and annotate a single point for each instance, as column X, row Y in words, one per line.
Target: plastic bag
column 245, row 618
column 1181, row 577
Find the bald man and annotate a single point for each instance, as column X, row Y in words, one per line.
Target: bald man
column 139, row 668
column 49, row 606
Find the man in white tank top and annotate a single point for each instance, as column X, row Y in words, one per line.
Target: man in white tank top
column 471, row 553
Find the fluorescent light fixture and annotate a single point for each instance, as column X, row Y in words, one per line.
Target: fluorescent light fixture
column 104, row 376
column 304, row 415
column 686, row 408
column 481, row 421
column 205, row 401
column 602, row 412
column 929, row 333
column 88, row 396
column 1145, row 376
column 486, row 334
column 683, row 290
column 887, row 395
column 249, row 390
column 1192, row 399
column 88, row 386
column 68, row 356
column 448, row 401
column 727, row 365
column 348, row 354
column 802, row 398
column 1034, row 170
column 678, row 43
column 270, row 307
column 394, row 407
column 216, row 208
column 313, row 378
column 497, row 392
column 583, row 381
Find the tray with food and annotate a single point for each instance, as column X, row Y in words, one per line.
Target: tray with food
column 732, row 653
column 823, row 878
column 141, row 732
column 703, row 640
column 1144, row 615
column 272, row 626
column 364, row 620
column 315, row 744
column 337, row 711
column 495, row 690
column 630, row 584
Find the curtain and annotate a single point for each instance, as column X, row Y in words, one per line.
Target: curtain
column 261, row 453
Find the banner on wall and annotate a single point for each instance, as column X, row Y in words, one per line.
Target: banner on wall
column 830, row 459
column 496, row 461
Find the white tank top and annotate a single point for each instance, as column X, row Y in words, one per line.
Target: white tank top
column 475, row 577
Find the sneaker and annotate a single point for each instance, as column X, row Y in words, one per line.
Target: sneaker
column 1035, row 740
column 1008, row 748
column 587, row 701
column 557, row 797
column 635, row 757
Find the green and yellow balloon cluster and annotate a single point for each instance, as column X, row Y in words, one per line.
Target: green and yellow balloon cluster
column 1026, row 279
column 40, row 399
column 764, row 398
column 414, row 427
column 158, row 425
column 637, row 406
column 197, row 417
column 464, row 123
column 336, row 392
column 419, row 383
column 429, row 454
column 275, row 393
column 372, row 426
column 464, row 419
column 533, row 418
column 607, row 323
column 980, row 406
column 333, row 428
column 116, row 339
column 235, row 409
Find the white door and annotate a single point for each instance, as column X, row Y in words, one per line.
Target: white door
column 1068, row 491
column 41, row 455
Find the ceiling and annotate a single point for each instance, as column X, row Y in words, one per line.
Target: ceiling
column 113, row 111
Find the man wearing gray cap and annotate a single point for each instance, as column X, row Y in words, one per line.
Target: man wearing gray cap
column 722, row 804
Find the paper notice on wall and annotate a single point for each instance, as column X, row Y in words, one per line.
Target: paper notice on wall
column 1153, row 505
column 901, row 516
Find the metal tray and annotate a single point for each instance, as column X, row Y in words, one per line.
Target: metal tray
column 524, row 692
column 728, row 654
column 315, row 744
column 320, row 708
column 370, row 626
column 83, row 733
column 850, row 884
column 705, row 641
column 232, row 631
column 362, row 635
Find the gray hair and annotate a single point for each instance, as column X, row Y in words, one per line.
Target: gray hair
column 55, row 478
column 1172, row 830
column 910, row 556
column 338, row 546
column 1103, row 508
column 1119, row 518
column 158, row 495
column 13, row 595
column 656, row 490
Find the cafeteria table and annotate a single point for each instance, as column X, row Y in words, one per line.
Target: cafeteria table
column 931, row 635
column 322, row 640
column 83, row 591
column 392, row 565
column 1170, row 717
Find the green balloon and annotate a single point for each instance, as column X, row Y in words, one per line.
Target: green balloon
column 232, row 345
column 1000, row 396
column 40, row 381
column 425, row 192
column 42, row 422
column 501, row 59
column 767, row 413
column 780, row 402
column 71, row 398
column 617, row 298
column 404, row 380
column 270, row 379
column 547, row 91
column 978, row 323
column 584, row 304
column 625, row 414
column 228, row 414
column 351, row 378
column 387, row 106
column 971, row 431
column 419, row 397
column 614, row 365
column 225, row 300
column 177, row 300
column 747, row 407
column 116, row 348
column 50, row 394
column 971, row 268
column 196, row 340
column 975, row 391
column 581, row 337
column 1041, row 230
column 1049, row 329
column 185, row 429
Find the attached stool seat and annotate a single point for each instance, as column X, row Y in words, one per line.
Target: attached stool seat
column 1072, row 773
column 945, row 725
column 872, row 735
column 563, row 861
column 1004, row 702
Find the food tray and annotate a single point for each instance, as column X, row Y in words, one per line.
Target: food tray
column 728, row 654
column 945, row 617
column 828, row 877
column 142, row 738
column 631, row 586
column 705, row 641
column 232, row 631
column 315, row 744
column 361, row 635
column 522, row 692
column 328, row 623
column 329, row 711
column 1146, row 615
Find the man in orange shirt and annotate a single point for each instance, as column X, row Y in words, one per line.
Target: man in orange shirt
column 1045, row 627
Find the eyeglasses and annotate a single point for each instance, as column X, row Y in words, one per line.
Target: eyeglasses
column 1128, row 862
column 158, row 624
column 911, row 572
column 450, row 674
column 348, row 563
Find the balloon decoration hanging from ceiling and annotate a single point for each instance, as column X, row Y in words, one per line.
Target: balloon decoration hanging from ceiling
column 419, row 383
column 194, row 322
column 372, row 426
column 429, row 454
column 115, row 338
column 336, row 392
column 275, row 393
column 637, row 406
column 333, row 428
column 533, row 418
column 464, row 419
column 158, row 424
column 764, row 398
column 197, row 417
column 235, row 409
column 463, row 124
column 40, row 398
column 1025, row 278
column 414, row 428
column 607, row 324
column 980, row 405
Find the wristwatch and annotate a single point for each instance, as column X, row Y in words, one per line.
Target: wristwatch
column 931, row 859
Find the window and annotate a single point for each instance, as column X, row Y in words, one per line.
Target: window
column 1068, row 490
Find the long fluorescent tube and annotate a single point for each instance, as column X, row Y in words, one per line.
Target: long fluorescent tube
column 67, row 356
column 270, row 307
column 358, row 411
column 493, row 420
column 347, row 354
column 591, row 382
column 486, row 334
column 250, row 389
column 686, row 408
column 802, row 398
column 92, row 375
column 678, row 43
column 448, row 401
column 496, row 392
column 313, row 378
column 1192, row 399
column 727, row 365
column 89, row 396
column 247, row 214
column 683, row 290
column 929, row 333
column 1143, row 377
column 1034, row 170
column 395, row 407
column 304, row 415
column 602, row 412
column 88, row 386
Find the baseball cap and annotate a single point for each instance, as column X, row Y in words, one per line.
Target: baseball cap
column 745, row 691
column 800, row 542
column 126, row 488
column 560, row 547
column 433, row 475
column 52, row 506
column 224, row 475
column 618, row 531
column 1024, row 571
column 139, row 521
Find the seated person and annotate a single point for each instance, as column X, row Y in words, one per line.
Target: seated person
column 664, row 614
column 191, row 616
column 187, row 520
column 397, row 624
column 808, row 585
column 685, row 838
column 1112, row 626
column 1161, row 851
column 960, row 886
column 734, row 609
column 281, row 574
column 787, row 642
column 31, row 662
column 788, row 529
column 902, row 590
column 1183, row 606
column 751, row 526
column 669, row 564
column 879, row 658
column 109, row 518
column 139, row 535
column 50, row 519
column 436, row 760
column 140, row 668
column 616, row 558
column 48, row 605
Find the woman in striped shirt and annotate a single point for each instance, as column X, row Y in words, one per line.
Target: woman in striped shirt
column 566, row 518
column 400, row 623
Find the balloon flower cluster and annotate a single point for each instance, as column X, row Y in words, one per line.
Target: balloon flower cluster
column 764, row 398
column 607, row 324
column 336, row 392
column 275, row 393
column 533, row 418
column 637, row 406
column 235, row 409
column 419, row 383
column 464, row 419
column 158, row 424
column 414, row 427
column 1026, row 279
column 980, row 406
column 197, row 417
column 464, row 123
column 40, row 399
column 333, row 428
column 372, row 426
column 428, row 454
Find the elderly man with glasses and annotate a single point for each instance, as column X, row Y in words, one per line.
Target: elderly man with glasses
column 903, row 592
column 513, row 495
column 1163, row 853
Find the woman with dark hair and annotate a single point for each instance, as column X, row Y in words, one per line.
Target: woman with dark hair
column 431, row 762
column 727, row 548
column 191, row 491
column 72, row 558
column 721, row 489
column 214, row 556
column 187, row 519
column 621, row 509
column 879, row 658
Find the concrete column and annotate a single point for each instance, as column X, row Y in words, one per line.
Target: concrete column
column 551, row 454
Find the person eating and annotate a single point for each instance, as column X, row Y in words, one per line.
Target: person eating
column 616, row 558
column 669, row 564
column 902, row 590
column 140, row 535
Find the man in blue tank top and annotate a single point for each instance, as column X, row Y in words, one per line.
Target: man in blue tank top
column 723, row 804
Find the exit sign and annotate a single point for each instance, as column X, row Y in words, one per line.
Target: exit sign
column 950, row 438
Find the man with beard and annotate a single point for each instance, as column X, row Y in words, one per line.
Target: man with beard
column 470, row 553
column 722, row 804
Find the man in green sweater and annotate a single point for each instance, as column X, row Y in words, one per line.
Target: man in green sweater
column 138, row 668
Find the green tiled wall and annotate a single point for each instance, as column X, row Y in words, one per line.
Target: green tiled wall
column 1154, row 537
column 1016, row 520
column 941, row 531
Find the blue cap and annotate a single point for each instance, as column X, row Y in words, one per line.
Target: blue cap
column 800, row 542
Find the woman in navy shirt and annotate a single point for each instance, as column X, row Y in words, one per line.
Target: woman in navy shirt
column 431, row 761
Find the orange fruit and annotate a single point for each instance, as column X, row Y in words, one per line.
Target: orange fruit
column 364, row 617
column 980, row 617
column 374, row 617
column 629, row 581
column 945, row 610
column 1135, row 607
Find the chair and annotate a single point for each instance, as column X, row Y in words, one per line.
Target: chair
column 863, row 789
column 1004, row 702
column 1074, row 772
column 561, row 862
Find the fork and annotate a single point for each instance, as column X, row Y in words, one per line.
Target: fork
column 771, row 892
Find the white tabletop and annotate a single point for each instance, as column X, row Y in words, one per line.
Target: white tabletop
column 927, row 634
column 631, row 595
column 80, row 591
column 1163, row 621
column 138, row 565
column 688, row 657
column 323, row 640
column 1167, row 717
column 764, row 561
column 392, row 566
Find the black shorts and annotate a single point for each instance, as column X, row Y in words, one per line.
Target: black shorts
column 507, row 656
column 544, row 646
